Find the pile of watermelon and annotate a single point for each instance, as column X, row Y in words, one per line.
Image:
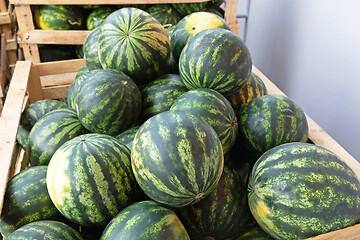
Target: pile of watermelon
column 167, row 134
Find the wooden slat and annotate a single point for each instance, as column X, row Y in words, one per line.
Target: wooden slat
column 5, row 18
column 26, row 24
column 71, row 37
column 11, row 44
column 3, row 65
column 59, row 79
column 350, row 233
column 58, row 67
column 34, row 85
column 231, row 12
column 9, row 121
column 102, row 2
column 56, row 92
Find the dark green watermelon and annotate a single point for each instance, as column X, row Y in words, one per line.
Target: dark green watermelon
column 165, row 14
column 97, row 17
column 26, row 200
column 188, row 8
column 51, row 52
column 191, row 25
column 143, row 7
column 300, row 190
column 91, row 50
column 177, row 158
column 143, row 221
column 127, row 137
column 134, row 42
column 215, row 3
column 223, row 214
column 32, row 114
column 45, row 229
column 82, row 70
column 160, row 94
column 215, row 58
column 213, row 108
column 58, row 17
column 254, row 233
column 75, row 86
column 90, row 179
column 253, row 88
column 269, row 121
column 108, row 102
column 79, row 51
column 50, row 132
column 172, row 65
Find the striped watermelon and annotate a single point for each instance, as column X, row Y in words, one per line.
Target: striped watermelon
column 299, row 190
column 134, row 42
column 143, row 221
column 271, row 120
column 82, row 70
column 165, row 14
column 50, row 132
column 91, row 50
column 45, row 229
column 177, row 158
column 75, row 86
column 90, row 179
column 172, row 65
column 215, row 3
column 127, row 137
column 97, row 17
column 214, row 109
column 254, row 233
column 58, row 17
column 191, row 25
column 79, row 53
column 108, row 102
column 188, row 8
column 160, row 94
column 215, row 58
column 221, row 215
column 32, row 114
column 26, row 200
column 253, row 88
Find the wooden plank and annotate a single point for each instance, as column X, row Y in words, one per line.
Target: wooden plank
column 71, row 37
column 231, row 12
column 26, row 24
column 58, row 79
column 350, row 233
column 9, row 121
column 5, row 18
column 3, row 65
column 56, row 92
column 11, row 44
column 34, row 85
column 100, row 2
column 58, row 67
column 316, row 134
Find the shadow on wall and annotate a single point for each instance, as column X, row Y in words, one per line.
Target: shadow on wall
column 267, row 44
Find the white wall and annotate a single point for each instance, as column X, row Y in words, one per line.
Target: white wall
column 311, row 51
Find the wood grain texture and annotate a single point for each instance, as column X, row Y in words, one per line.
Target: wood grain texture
column 67, row 37
column 9, row 121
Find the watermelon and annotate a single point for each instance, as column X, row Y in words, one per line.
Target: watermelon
column 145, row 220
column 221, row 215
column 90, row 180
column 191, row 25
column 160, row 94
column 143, row 7
column 254, row 233
column 45, row 229
column 79, row 51
column 91, row 50
column 177, row 158
column 215, row 11
column 127, row 137
column 172, row 65
column 97, row 17
column 51, row 52
column 253, row 88
column 32, row 114
column 134, row 42
column 58, row 17
column 108, row 102
column 269, row 121
column 87, row 6
column 215, row 58
column 26, row 200
column 74, row 88
column 299, row 190
column 188, row 8
column 165, row 14
column 215, row 3
column 50, row 132
column 214, row 109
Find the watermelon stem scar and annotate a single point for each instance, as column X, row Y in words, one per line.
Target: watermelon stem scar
column 199, row 195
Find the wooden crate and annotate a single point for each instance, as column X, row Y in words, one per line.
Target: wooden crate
column 25, row 87
column 9, row 47
column 29, row 37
